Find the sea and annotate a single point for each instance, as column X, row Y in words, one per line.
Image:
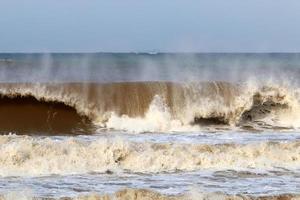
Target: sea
column 149, row 126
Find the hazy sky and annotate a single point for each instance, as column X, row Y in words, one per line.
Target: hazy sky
column 149, row 25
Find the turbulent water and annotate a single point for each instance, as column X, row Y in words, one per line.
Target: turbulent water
column 141, row 126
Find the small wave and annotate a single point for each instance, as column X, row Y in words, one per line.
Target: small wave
column 144, row 194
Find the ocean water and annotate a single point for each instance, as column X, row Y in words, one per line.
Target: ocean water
column 149, row 126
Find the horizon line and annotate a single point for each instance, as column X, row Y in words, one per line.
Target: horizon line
column 151, row 52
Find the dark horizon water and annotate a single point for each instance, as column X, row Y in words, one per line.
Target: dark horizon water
column 107, row 67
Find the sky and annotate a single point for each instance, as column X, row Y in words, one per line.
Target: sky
column 149, row 26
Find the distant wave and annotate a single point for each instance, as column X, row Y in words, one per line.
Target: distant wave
column 145, row 106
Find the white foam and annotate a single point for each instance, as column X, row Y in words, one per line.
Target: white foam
column 28, row 156
column 158, row 118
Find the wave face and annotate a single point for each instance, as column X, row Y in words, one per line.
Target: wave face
column 27, row 156
column 149, row 106
column 28, row 115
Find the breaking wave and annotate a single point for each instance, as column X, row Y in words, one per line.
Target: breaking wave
column 145, row 106
column 31, row 156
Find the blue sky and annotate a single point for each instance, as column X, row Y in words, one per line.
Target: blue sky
column 152, row 25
